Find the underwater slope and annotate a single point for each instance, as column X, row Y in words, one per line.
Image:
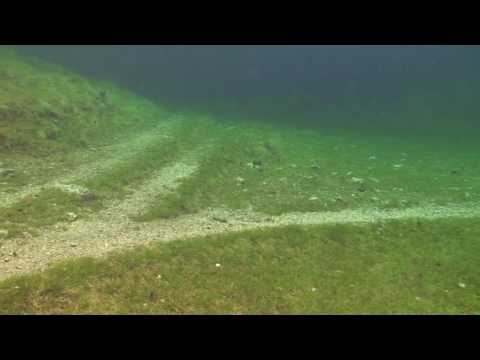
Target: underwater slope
column 143, row 175
column 44, row 107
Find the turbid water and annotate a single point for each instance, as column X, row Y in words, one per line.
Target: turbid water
column 89, row 169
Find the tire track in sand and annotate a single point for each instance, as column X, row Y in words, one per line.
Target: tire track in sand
column 92, row 235
column 114, row 155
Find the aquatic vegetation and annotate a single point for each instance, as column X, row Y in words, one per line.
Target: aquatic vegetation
column 400, row 267
column 46, row 108
column 80, row 156
column 312, row 171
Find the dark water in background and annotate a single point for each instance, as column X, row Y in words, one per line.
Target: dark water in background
column 421, row 89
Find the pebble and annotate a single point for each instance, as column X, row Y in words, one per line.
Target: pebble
column 240, row 180
column 357, row 180
column 72, row 216
column 218, row 265
column 313, row 198
column 462, row 285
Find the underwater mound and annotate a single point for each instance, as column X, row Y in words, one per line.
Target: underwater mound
column 44, row 107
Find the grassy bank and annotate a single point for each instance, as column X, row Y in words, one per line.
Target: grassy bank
column 45, row 108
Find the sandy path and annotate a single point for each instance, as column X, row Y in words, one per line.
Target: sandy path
column 113, row 230
column 108, row 158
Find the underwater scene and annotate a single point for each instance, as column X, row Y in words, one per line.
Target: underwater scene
column 253, row 179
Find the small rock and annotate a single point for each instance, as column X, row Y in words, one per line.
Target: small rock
column 362, row 187
column 88, row 197
column 72, row 216
column 219, row 219
column 398, row 166
column 462, row 285
column 357, row 180
column 73, row 245
column 313, row 198
column 218, row 265
column 372, row 158
column 240, row 180
column 314, row 289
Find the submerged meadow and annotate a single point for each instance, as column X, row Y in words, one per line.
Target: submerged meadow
column 96, row 183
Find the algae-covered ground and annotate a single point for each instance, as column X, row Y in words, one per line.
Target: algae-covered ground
column 409, row 267
column 87, row 168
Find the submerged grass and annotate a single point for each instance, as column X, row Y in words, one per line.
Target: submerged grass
column 277, row 170
column 50, row 206
column 402, row 267
column 45, row 109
